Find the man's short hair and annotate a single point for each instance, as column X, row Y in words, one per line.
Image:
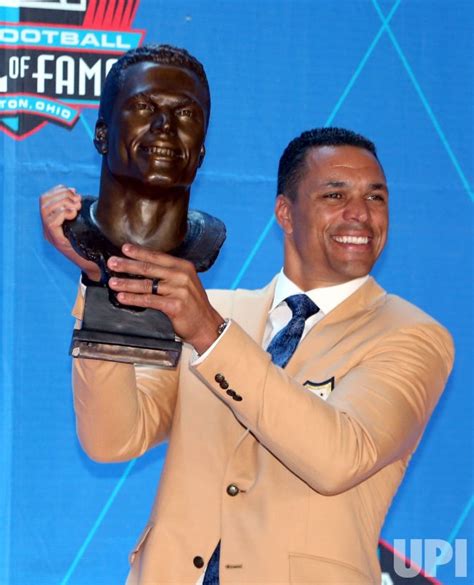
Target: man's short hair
column 160, row 54
column 292, row 161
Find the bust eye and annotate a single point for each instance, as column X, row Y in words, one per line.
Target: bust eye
column 185, row 113
column 332, row 195
column 143, row 106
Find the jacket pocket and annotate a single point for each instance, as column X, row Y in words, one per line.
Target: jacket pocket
column 140, row 542
column 312, row 569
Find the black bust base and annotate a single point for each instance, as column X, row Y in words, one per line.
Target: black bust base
column 117, row 334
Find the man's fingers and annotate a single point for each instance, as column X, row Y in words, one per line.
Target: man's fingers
column 139, row 268
column 55, row 209
column 60, row 199
column 54, row 191
column 153, row 257
column 141, row 300
column 169, row 306
column 57, row 192
column 55, row 217
column 70, row 198
column 133, row 285
column 118, row 264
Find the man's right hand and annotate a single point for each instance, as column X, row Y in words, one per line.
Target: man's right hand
column 57, row 205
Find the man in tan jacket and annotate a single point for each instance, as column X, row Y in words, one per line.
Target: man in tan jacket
column 291, row 469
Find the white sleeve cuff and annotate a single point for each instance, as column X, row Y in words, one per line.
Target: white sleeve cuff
column 196, row 359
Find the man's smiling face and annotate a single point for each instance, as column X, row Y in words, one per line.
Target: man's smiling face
column 336, row 227
column 156, row 131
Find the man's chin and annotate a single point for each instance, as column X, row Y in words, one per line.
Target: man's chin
column 352, row 269
column 358, row 270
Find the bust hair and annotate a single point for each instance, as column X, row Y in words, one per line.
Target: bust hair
column 160, row 54
column 292, row 160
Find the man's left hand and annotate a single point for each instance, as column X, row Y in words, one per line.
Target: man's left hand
column 180, row 294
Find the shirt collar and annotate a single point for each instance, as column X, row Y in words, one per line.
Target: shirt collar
column 327, row 298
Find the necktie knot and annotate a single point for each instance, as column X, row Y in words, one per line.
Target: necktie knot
column 302, row 306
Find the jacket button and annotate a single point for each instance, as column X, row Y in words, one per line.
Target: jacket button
column 231, row 392
column 237, row 397
column 219, row 378
column 224, row 384
column 198, row 562
column 232, row 490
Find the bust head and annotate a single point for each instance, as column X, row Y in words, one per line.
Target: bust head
column 153, row 117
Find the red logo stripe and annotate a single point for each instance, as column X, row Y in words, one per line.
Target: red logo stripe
column 89, row 15
column 107, row 14
column 118, row 16
column 129, row 13
column 100, row 14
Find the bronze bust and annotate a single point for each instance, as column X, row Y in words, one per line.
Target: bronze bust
column 153, row 116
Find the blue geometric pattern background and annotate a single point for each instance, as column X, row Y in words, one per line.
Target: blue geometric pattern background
column 400, row 72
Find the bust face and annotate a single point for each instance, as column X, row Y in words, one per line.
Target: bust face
column 157, row 127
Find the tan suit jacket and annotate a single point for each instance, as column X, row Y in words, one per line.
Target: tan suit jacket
column 315, row 477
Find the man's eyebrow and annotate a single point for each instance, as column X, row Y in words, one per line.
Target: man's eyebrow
column 339, row 184
column 380, row 186
column 335, row 184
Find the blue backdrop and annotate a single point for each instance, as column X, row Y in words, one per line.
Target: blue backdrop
column 400, row 72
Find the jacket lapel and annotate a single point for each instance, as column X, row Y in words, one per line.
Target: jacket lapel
column 250, row 309
column 340, row 322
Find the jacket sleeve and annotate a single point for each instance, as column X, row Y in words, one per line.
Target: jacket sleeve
column 121, row 410
column 375, row 416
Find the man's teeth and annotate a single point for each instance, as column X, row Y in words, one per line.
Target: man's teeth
column 160, row 151
column 352, row 239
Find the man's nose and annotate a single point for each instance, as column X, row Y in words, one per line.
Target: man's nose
column 356, row 209
column 162, row 122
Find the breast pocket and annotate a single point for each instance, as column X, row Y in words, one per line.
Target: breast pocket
column 318, row 570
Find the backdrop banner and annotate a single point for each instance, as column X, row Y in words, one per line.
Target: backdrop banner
column 396, row 71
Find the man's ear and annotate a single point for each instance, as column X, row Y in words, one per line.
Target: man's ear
column 283, row 213
column 202, row 154
column 100, row 137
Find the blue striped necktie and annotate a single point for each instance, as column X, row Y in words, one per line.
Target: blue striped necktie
column 281, row 348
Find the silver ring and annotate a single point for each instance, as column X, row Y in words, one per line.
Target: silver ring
column 154, row 286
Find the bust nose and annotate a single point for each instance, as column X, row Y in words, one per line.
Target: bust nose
column 162, row 122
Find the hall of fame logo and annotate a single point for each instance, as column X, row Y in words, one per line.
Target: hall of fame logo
column 54, row 56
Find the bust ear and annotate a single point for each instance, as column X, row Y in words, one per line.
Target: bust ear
column 202, row 154
column 100, row 137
